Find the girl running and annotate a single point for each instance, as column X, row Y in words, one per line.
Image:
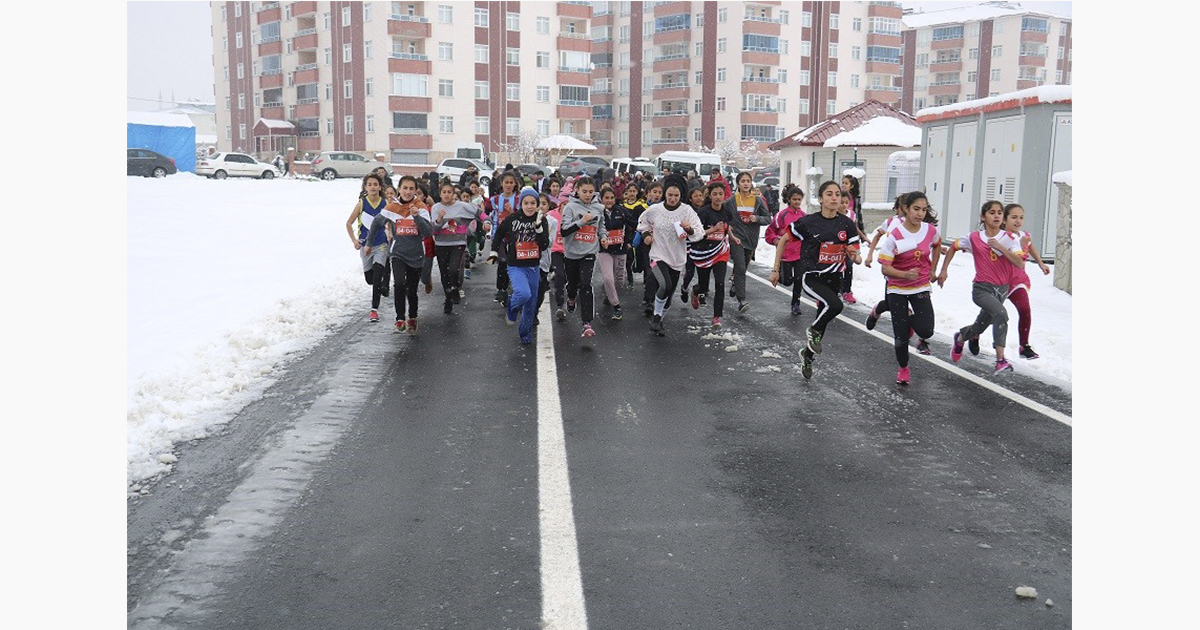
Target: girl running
column 996, row 252
column 581, row 223
column 654, row 195
column 374, row 257
column 613, row 247
column 910, row 253
column 524, row 235
column 634, row 207
column 827, row 239
column 789, row 275
column 553, row 221
column 1018, row 286
column 710, row 255
column 696, row 198
column 751, row 214
column 852, row 197
column 664, row 227
column 452, row 219
column 887, row 226
column 498, row 207
column 407, row 226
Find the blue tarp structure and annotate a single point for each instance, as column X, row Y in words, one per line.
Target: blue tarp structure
column 173, row 135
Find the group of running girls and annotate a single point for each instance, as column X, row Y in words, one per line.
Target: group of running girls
column 672, row 234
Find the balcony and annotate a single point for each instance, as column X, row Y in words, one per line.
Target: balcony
column 946, row 44
column 756, row 79
column 760, row 18
column 409, row 18
column 942, row 66
column 273, row 47
column 272, row 111
column 305, row 40
column 579, row 10
column 303, row 8
column 674, row 36
column 308, row 110
column 308, row 75
column 670, row 141
column 269, row 14
column 760, row 87
column 754, row 27
column 410, row 27
column 416, row 104
column 422, row 139
column 944, row 88
column 574, row 110
column 760, row 56
column 409, row 63
column 271, row 81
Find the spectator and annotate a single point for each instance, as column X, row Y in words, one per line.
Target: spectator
column 716, row 175
column 693, row 181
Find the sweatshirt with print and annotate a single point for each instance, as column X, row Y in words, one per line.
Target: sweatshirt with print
column 579, row 238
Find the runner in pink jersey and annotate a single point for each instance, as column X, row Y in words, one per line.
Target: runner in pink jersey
column 1018, row 286
column 908, row 256
column 889, row 224
column 557, row 269
column 996, row 252
column 789, row 265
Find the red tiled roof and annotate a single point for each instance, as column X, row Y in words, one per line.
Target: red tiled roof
column 852, row 118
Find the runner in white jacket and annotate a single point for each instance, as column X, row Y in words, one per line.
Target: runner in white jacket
column 667, row 227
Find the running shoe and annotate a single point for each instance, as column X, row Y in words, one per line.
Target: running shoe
column 743, row 306
column 716, row 322
column 956, row 351
column 695, row 300
column 848, row 298
column 560, row 315
column 814, row 340
column 587, row 331
column 467, row 273
column 973, row 346
column 448, row 307
column 902, row 376
column 806, row 364
column 795, row 308
column 1028, row 353
column 1003, row 366
column 412, row 326
column 656, row 326
column 683, row 296
column 525, row 341
column 618, row 313
column 373, row 315
column 923, row 347
column 400, row 325
column 647, row 310
column 570, row 305
column 501, row 296
column 872, row 318
column 703, row 299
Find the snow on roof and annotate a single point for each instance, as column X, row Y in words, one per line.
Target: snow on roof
column 976, row 13
column 889, row 132
column 842, row 122
column 158, row 119
column 814, row 170
column 1020, row 98
column 276, row 124
column 1063, row 177
column 206, row 139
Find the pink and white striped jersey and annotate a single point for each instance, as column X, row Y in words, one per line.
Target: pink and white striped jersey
column 1019, row 277
column 990, row 265
column 904, row 251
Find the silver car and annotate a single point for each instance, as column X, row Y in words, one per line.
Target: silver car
column 335, row 164
column 455, row 167
column 222, row 165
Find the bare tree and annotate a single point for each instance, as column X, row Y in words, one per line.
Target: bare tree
column 522, row 147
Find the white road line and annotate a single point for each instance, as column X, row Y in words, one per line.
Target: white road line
column 949, row 367
column 562, row 585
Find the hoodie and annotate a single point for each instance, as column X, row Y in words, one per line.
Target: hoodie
column 579, row 238
column 750, row 207
column 779, row 225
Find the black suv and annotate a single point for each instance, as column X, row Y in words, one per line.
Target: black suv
column 147, row 163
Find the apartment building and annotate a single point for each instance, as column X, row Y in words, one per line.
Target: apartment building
column 415, row 79
column 955, row 55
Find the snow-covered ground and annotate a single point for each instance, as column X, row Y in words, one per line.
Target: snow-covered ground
column 228, row 280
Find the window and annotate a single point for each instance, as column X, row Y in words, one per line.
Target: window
column 856, row 52
column 699, row 21
column 224, row 16
column 622, row 112
column 241, row 101
column 973, row 53
column 806, row 19
column 943, row 33
column 760, row 43
column 892, row 26
column 722, row 15
column 366, row 11
column 573, row 95
column 696, row 134
column 543, row 93
column 237, row 37
column 543, row 25
column 781, row 104
column 831, row 78
column 834, row 20
column 622, row 138
column 887, row 54
column 647, row 83
column 481, row 17
column 1061, row 52
column 512, row 22
column 242, row 131
column 328, row 125
column 481, row 125
column 328, row 56
column 481, row 53
column 1058, row 77
column 678, row 22
column 345, row 16
column 481, row 90
column 997, row 50
column 854, row 80
column 543, row 127
column 347, row 52
column 830, row 107
column 782, row 74
column 995, row 76
column 241, row 71
column 512, row 91
column 783, row 17
column 445, row 14
column 720, row 45
column 224, row 41
column 647, row 110
column 326, row 23
column 445, row 124
column 804, row 107
column 923, row 60
column 624, row 33
column 805, row 48
column 237, row 9
column 446, row 88
column 921, row 81
column 720, row 133
column 720, row 103
column 328, row 91
column 972, row 77
column 370, row 123
column 369, row 85
column 410, row 84
column 833, row 51
column 512, row 56
column 512, row 126
column 543, row 59
column 347, row 89
column 348, row 126
column 573, row 61
column 1035, row 25
column 856, row 25
column 699, row 49
column 720, row 75
column 804, row 77
column 409, row 122
column 445, row 51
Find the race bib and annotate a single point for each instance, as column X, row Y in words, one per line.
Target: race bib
column 616, row 237
column 527, row 250
column 558, row 239
column 717, row 235
column 745, row 214
column 406, row 227
column 586, row 234
column 831, row 253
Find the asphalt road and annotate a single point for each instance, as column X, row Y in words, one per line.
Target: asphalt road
column 393, row 482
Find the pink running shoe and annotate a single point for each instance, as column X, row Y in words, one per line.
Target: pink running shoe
column 587, row 331
column 400, row 326
column 1003, row 366
column 716, row 322
column 373, row 315
column 848, row 298
column 956, row 351
column 902, row 376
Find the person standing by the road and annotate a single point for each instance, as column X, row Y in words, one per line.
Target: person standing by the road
column 665, row 227
column 828, row 239
column 790, row 263
column 408, row 226
column 524, row 235
column 996, row 252
column 1018, row 285
column 710, row 255
column 582, row 221
column 451, row 220
column 909, row 254
column 751, row 214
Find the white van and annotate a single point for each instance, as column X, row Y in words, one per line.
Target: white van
column 702, row 163
column 633, row 165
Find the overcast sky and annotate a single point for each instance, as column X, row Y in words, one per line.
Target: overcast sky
column 170, row 48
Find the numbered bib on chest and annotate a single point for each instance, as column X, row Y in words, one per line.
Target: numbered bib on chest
column 406, row 227
column 586, row 234
column 745, row 214
column 616, row 237
column 527, row 250
column 831, row 253
column 717, row 235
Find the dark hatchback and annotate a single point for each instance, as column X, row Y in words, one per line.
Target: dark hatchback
column 147, row 163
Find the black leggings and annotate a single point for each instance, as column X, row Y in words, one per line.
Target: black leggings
column 449, row 261
column 717, row 271
column 689, row 272
column 921, row 321
column 789, row 276
column 825, row 289
column 847, row 278
column 579, row 283
column 407, row 281
column 543, row 287
column 377, row 278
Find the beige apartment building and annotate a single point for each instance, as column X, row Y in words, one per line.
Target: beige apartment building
column 416, row 79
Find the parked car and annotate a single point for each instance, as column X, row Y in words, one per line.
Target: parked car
column 147, row 163
column 771, row 179
column 589, row 165
column 455, row 167
column 633, row 165
column 222, row 165
column 527, row 171
column 334, row 164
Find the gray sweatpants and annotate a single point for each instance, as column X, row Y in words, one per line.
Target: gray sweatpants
column 740, row 257
column 990, row 300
